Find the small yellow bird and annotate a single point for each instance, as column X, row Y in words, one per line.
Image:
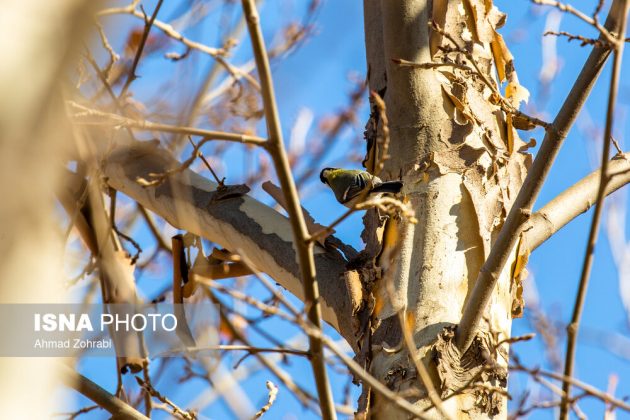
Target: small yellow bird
column 349, row 185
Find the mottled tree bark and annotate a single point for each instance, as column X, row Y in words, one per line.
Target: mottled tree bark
column 461, row 162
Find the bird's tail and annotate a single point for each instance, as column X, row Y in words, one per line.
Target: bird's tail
column 392, row 187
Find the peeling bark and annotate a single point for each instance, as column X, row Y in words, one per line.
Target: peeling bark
column 454, row 145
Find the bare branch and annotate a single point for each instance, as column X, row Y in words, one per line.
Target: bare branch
column 583, row 40
column 121, row 121
column 605, row 32
column 589, row 389
column 174, row 409
column 216, row 53
column 273, row 392
column 574, row 201
column 296, row 217
column 304, row 396
column 115, row 406
column 604, row 177
column 148, row 23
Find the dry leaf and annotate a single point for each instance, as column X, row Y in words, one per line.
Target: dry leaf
column 510, row 133
column 462, row 113
column 519, row 273
column 514, row 91
column 439, row 17
column 522, row 123
column 502, row 56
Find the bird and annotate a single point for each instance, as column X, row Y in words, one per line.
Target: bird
column 352, row 185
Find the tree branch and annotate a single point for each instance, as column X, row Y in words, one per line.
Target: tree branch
column 121, row 121
column 148, row 23
column 168, row 30
column 188, row 201
column 589, row 256
column 104, row 399
column 275, row 146
column 574, row 201
column 554, row 137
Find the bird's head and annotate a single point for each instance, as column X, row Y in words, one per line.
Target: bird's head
column 323, row 175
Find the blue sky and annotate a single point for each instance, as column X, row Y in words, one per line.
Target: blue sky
column 316, row 77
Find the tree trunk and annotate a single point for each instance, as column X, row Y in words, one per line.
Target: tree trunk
column 453, row 144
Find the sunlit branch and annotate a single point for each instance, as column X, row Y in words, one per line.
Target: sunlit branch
column 574, row 201
column 104, row 399
column 118, row 120
column 296, row 217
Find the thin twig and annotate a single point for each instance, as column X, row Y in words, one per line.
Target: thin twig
column 605, row 33
column 162, row 244
column 572, row 329
column 234, row 347
column 189, row 115
column 273, row 393
column 300, row 230
column 331, row 227
column 174, row 409
column 388, row 205
column 103, row 78
column 309, row 329
column 113, row 57
column 216, row 53
column 133, row 242
column 423, row 373
column 148, row 402
column 148, row 23
column 152, row 126
column 365, row 376
column 205, row 161
column 589, row 389
column 583, row 40
column 304, row 396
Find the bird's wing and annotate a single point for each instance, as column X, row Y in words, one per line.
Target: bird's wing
column 355, row 188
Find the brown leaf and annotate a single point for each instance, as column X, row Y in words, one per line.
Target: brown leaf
column 462, row 113
column 439, row 17
column 510, row 133
column 522, row 123
column 519, row 273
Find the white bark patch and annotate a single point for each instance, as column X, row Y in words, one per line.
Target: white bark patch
column 240, row 224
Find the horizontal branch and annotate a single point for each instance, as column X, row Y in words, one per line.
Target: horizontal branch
column 234, row 347
column 190, row 202
column 574, row 201
column 605, row 33
column 121, row 121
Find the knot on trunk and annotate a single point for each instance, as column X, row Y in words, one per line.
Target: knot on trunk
column 477, row 371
